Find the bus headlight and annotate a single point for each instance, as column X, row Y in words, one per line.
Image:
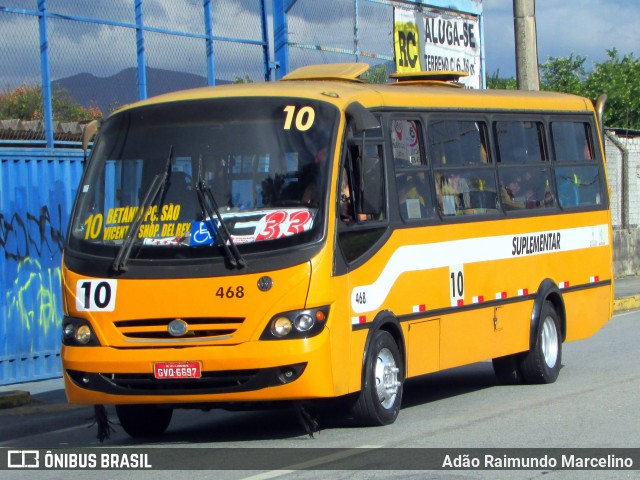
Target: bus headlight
column 281, row 327
column 296, row 324
column 78, row 332
column 83, row 334
column 304, row 322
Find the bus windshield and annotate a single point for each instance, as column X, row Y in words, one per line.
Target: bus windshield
column 264, row 163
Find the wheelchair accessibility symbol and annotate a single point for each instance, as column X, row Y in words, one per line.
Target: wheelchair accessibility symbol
column 202, row 233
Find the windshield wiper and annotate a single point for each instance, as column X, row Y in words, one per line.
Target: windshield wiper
column 158, row 185
column 210, row 208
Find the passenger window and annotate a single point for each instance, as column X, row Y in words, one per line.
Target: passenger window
column 520, row 142
column 526, row 187
column 572, row 141
column 410, row 168
column 464, row 178
column 458, row 142
column 577, row 177
column 578, row 186
column 412, row 194
column 466, row 192
column 523, row 168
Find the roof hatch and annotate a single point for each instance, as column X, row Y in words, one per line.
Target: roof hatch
column 330, row 71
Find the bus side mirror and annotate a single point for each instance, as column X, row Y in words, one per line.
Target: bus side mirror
column 372, row 186
column 363, row 119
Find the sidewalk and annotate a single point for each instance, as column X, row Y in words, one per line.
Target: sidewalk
column 48, row 395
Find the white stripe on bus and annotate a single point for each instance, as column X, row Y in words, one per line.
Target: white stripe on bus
column 412, row 258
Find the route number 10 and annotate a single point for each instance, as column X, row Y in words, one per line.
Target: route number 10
column 96, row 295
column 456, row 283
column 304, row 117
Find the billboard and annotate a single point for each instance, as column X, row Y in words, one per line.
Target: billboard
column 446, row 40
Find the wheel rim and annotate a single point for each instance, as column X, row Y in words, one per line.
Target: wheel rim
column 386, row 376
column 549, row 342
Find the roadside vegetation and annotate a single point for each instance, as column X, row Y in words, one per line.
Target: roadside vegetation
column 26, row 103
column 617, row 77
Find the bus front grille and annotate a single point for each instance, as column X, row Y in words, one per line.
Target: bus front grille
column 179, row 328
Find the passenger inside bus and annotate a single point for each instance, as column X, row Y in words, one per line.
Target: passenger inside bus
column 517, row 192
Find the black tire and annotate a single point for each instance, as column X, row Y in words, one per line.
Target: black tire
column 542, row 363
column 379, row 405
column 507, row 369
column 144, row 420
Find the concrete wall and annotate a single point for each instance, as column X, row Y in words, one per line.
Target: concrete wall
column 623, row 167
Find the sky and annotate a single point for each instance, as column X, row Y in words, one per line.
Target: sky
column 587, row 28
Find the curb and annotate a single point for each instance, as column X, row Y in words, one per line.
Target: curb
column 626, row 303
column 14, row 398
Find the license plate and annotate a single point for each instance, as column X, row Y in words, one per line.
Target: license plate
column 173, row 370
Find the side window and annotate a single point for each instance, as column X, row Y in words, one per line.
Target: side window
column 464, row 176
column 411, row 169
column 362, row 199
column 577, row 174
column 524, row 170
column 520, row 142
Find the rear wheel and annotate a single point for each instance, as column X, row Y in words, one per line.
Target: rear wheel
column 542, row 363
column 381, row 396
column 144, row 420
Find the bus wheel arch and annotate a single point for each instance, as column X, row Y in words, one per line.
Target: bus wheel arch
column 547, row 292
column 546, row 335
column 383, row 373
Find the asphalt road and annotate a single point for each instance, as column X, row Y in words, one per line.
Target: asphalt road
column 594, row 404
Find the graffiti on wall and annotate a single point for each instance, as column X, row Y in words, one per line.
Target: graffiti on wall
column 37, row 236
column 31, row 315
column 33, row 300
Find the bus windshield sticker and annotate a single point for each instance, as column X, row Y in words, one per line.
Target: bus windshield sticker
column 245, row 227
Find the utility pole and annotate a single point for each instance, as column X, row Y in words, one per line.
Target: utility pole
column 524, row 20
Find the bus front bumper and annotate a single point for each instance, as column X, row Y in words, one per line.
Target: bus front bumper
column 249, row 372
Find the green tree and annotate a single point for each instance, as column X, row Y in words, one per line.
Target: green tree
column 618, row 78
column 377, row 74
column 495, row 82
column 564, row 74
column 246, row 79
column 26, row 103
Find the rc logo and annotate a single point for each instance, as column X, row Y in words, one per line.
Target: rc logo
column 23, row 459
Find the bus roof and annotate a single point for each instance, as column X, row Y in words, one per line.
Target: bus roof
column 411, row 94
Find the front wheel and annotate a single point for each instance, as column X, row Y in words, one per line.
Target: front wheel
column 144, row 420
column 381, row 396
column 542, row 363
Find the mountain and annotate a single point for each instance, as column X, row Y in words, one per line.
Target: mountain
column 122, row 88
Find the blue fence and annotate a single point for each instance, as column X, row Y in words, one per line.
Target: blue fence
column 37, row 188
